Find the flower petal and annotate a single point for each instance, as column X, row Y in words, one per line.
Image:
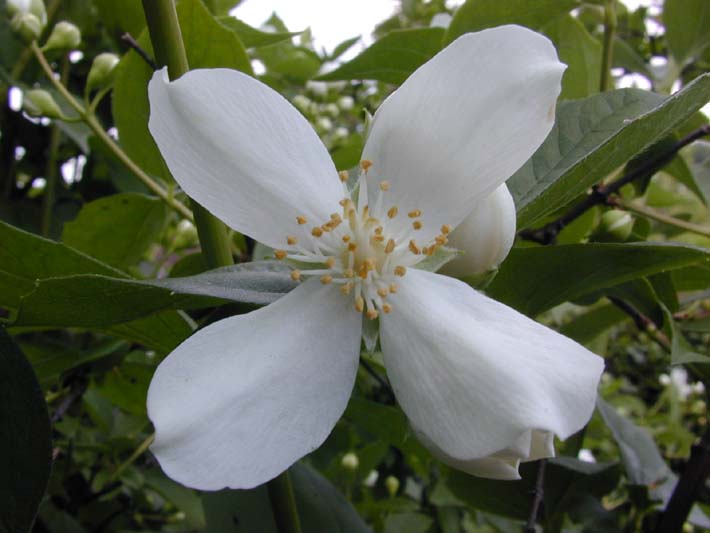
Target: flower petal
column 475, row 377
column 485, row 236
column 244, row 398
column 464, row 122
column 243, row 152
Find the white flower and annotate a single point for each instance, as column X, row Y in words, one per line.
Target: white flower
column 483, row 386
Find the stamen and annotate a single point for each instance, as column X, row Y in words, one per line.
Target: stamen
column 441, row 240
column 392, row 211
column 348, row 273
column 393, row 288
column 343, row 175
column 330, row 262
column 301, row 220
column 317, row 232
column 383, row 292
column 390, row 246
column 379, row 230
column 280, row 254
column 291, row 240
column 399, row 271
column 346, row 238
column 416, row 213
column 387, row 308
column 365, row 165
column 414, row 248
column 384, row 185
column 417, row 224
column 352, row 247
column 378, row 238
column 445, row 229
column 345, row 289
column 326, row 279
column 359, row 304
column 335, row 217
column 372, row 314
column 296, row 275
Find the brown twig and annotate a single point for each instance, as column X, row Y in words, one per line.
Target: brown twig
column 600, row 193
column 643, row 323
column 539, row 495
column 132, row 43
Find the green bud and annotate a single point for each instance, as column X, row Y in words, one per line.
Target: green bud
column 34, row 7
column 26, row 26
column 392, row 485
column 101, row 72
column 350, row 461
column 185, row 235
column 40, row 103
column 615, row 226
column 64, row 36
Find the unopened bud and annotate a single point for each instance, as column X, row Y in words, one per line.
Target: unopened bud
column 64, row 36
column 185, row 235
column 34, row 7
column 40, row 103
column 102, row 69
column 615, row 226
column 26, row 26
column 350, row 461
column 392, row 485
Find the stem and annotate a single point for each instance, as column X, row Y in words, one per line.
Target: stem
column 537, row 498
column 135, row 455
column 169, row 49
column 283, row 504
column 104, row 137
column 608, row 45
column 659, row 216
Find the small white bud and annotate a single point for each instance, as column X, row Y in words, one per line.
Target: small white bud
column 350, row 461
column 26, row 26
column 40, row 103
column 101, row 72
column 324, row 123
column 346, row 103
column 392, row 485
column 331, row 109
column 302, row 102
column 64, row 36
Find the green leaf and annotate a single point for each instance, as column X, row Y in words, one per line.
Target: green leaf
column 95, row 300
column 25, row 439
column 392, row 58
column 642, row 460
column 208, row 45
column 185, row 499
column 687, row 23
column 129, row 18
column 580, row 51
column 117, row 229
column 584, row 328
column 221, row 7
column 476, row 15
column 343, row 47
column 535, row 279
column 682, row 352
column 252, row 37
column 321, row 507
column 594, row 136
column 410, row 522
column 26, row 258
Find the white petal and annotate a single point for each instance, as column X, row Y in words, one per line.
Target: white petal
column 485, row 236
column 244, row 398
column 243, row 152
column 464, row 122
column 475, row 376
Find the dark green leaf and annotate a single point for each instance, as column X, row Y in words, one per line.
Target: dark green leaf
column 25, row 439
column 208, row 45
column 117, row 229
column 343, row 47
column 392, row 58
column 94, row 300
column 252, row 37
column 585, row 327
column 129, row 18
column 321, row 507
column 185, row 499
column 476, row 15
column 687, row 23
column 594, row 136
column 535, row 279
column 221, row 7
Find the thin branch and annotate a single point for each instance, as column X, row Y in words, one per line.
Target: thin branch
column 132, row 43
column 142, row 448
column 659, row 216
column 643, row 323
column 600, row 194
column 608, row 45
column 690, row 482
column 539, row 495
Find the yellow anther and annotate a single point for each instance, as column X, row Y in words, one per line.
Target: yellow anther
column 393, row 288
column 372, row 314
column 301, row 220
column 344, row 201
column 441, row 240
column 429, row 250
column 326, row 279
column 417, row 224
column 390, row 246
column 387, row 308
column 335, row 217
column 415, row 213
column 366, row 212
column 384, row 185
column 399, row 271
column 296, row 275
column 414, row 248
column 359, row 304
column 365, row 165
column 378, row 238
column 379, row 230
column 327, row 227
column 348, row 273
column 352, row 247
column 280, row 254
column 330, row 262
column 371, row 263
column 371, row 221
column 345, row 289
column 346, row 238
column 383, row 292
column 317, row 232
column 445, row 229
column 291, row 240
column 392, row 211
column 343, row 175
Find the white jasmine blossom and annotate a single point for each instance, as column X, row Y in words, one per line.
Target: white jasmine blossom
column 483, row 386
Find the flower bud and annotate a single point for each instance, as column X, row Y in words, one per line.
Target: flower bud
column 346, row 103
column 34, row 7
column 26, row 26
column 101, row 71
column 65, row 35
column 40, row 103
column 350, row 461
column 485, row 236
column 615, row 226
column 392, row 485
column 185, row 235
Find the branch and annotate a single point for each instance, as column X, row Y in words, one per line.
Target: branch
column 600, row 193
column 132, row 43
column 643, row 323
column 539, row 494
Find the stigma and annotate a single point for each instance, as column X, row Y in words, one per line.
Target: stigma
column 362, row 249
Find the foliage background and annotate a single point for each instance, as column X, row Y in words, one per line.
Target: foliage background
column 82, row 241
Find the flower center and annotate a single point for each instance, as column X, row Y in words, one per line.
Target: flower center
column 360, row 249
